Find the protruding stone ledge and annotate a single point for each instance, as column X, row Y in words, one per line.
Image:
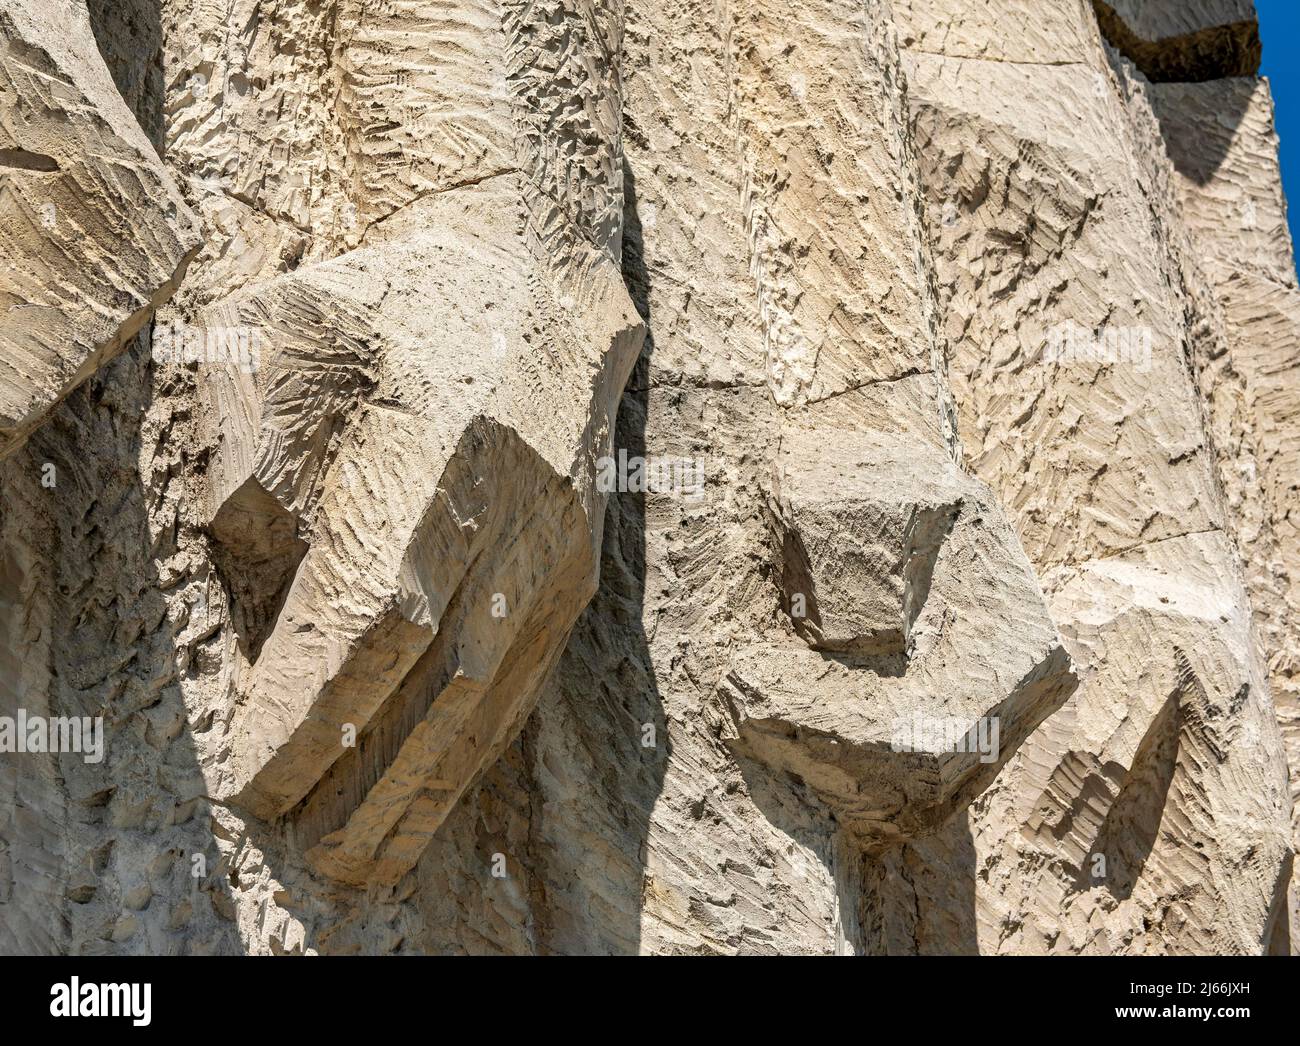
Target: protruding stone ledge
column 93, row 234
column 982, row 659
column 857, row 559
column 437, row 453
column 1184, row 40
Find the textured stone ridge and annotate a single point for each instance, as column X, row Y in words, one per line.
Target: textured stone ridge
column 731, row 477
column 960, row 633
column 92, row 230
column 430, row 439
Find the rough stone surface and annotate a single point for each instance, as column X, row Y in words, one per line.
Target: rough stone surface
column 93, row 233
column 735, row 476
column 1230, row 191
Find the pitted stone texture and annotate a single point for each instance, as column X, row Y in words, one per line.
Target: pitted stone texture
column 1045, row 31
column 1173, row 801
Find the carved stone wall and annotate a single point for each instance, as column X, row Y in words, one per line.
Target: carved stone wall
column 731, row 476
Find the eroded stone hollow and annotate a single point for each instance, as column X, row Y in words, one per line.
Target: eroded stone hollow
column 960, row 338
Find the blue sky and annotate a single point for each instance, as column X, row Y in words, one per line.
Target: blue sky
column 1279, row 27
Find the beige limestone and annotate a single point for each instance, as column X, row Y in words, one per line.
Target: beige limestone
column 944, row 353
column 1230, row 189
column 93, row 233
column 419, row 442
